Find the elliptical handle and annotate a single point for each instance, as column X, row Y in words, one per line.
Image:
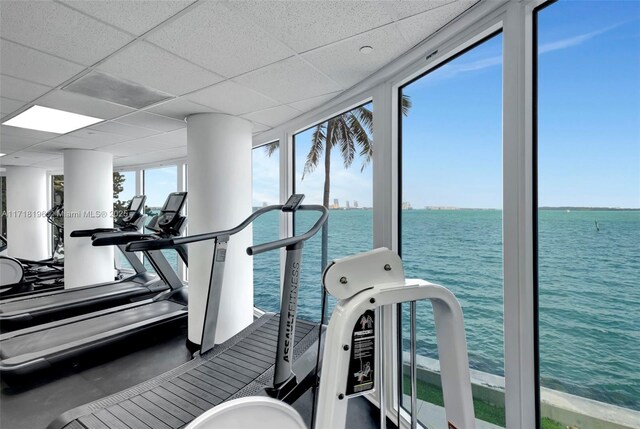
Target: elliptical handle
column 285, row 242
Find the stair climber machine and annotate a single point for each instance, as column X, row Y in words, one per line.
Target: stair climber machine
column 275, row 356
column 18, row 274
column 28, row 311
column 353, row 351
column 28, row 284
column 26, row 351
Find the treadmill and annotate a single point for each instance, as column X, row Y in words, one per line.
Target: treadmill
column 36, row 281
column 20, row 312
column 241, row 366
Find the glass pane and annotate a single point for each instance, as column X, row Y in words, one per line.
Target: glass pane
column 3, row 206
column 158, row 184
column 347, row 191
column 451, row 219
column 57, row 221
column 588, row 218
column 124, row 188
column 266, row 191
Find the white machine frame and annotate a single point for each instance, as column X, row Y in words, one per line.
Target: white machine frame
column 370, row 281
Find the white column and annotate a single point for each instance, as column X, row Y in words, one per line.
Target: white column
column 219, row 178
column 88, row 203
column 26, row 205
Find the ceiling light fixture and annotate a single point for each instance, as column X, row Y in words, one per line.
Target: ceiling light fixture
column 51, row 120
column 366, row 50
column 2, row 154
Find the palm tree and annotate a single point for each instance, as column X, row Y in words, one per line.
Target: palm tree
column 350, row 133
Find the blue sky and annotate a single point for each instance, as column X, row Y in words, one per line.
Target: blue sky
column 589, row 123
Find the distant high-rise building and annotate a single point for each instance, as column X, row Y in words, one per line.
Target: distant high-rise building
column 336, row 204
column 264, row 204
column 355, row 204
column 406, row 205
column 348, row 206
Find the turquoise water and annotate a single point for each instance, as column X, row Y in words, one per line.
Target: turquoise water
column 589, row 288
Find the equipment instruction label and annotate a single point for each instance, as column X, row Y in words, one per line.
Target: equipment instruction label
column 363, row 355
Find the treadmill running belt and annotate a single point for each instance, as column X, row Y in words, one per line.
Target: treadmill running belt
column 239, row 367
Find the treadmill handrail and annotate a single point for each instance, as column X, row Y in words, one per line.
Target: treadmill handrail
column 252, row 250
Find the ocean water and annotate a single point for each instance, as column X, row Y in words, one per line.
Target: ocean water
column 589, row 287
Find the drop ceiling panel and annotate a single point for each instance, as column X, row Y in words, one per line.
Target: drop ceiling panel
column 38, row 136
column 179, row 108
column 212, row 36
column 229, row 97
column 161, row 155
column 77, row 103
column 400, row 9
column 305, row 25
column 312, row 103
column 273, row 116
column 58, row 30
column 344, row 63
column 289, row 80
column 51, row 164
column 124, row 129
column 149, row 65
column 136, row 17
column 152, row 121
column 26, row 158
column 99, row 138
column 29, row 64
column 68, row 141
column 149, row 144
column 419, row 27
column 258, row 128
column 8, row 105
column 18, row 89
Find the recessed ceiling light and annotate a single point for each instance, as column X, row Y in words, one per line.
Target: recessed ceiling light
column 366, row 50
column 51, row 120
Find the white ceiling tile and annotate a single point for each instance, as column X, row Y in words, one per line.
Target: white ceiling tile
column 312, row 103
column 229, row 97
column 69, row 141
column 51, row 164
column 77, row 103
column 149, row 144
column 8, row 105
column 344, row 62
column 152, row 121
column 136, row 16
column 419, row 27
column 180, row 108
column 149, row 65
column 18, row 89
column 305, row 25
column 258, row 128
column 273, row 116
column 124, row 129
column 99, row 138
column 400, row 9
column 58, row 30
column 8, row 132
column 29, row 64
column 26, row 158
column 221, row 41
column 290, row 80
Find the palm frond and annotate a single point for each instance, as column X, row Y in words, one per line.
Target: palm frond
column 271, row 148
column 344, row 139
column 360, row 138
column 318, row 139
column 406, row 104
column 365, row 116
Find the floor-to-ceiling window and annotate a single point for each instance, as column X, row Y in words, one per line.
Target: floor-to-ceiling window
column 266, row 190
column 588, row 206
column 124, row 188
column 56, row 217
column 158, row 184
column 333, row 167
column 451, row 218
column 3, row 206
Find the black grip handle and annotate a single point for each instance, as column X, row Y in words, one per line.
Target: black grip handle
column 140, row 246
column 90, row 232
column 284, row 242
